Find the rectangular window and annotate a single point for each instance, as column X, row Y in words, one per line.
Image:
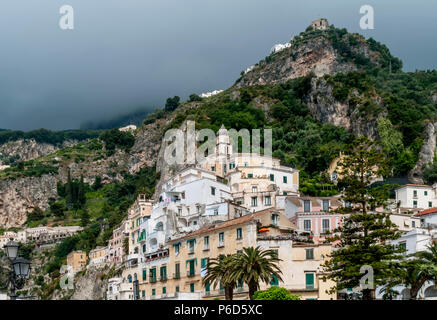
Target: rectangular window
column 216, row 212
column 212, row 168
column 213, row 191
column 221, row 239
column 176, row 248
column 415, row 193
column 268, row 200
column 177, row 271
column 203, row 263
column 307, row 225
column 306, row 206
column 309, row 281
column 254, row 201
column 430, row 204
column 425, row 193
column 284, row 179
column 309, row 254
column 415, row 204
column 254, row 189
column 191, row 270
column 144, row 274
column 413, row 224
column 206, row 243
column 231, row 165
column 163, row 273
column 198, row 209
column 325, row 225
column 152, row 277
column 164, row 290
column 153, row 292
column 250, row 175
column 177, row 288
column 179, row 211
column 239, row 233
column 325, row 205
column 275, row 219
column 191, row 246
column 192, row 287
column 272, row 177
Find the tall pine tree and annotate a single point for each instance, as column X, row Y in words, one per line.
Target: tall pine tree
column 364, row 239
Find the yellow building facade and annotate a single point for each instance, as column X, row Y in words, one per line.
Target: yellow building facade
column 178, row 271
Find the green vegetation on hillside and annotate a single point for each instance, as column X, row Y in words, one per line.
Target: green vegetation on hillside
column 101, row 212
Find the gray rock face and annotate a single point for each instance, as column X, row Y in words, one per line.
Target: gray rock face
column 426, row 155
column 325, row 108
column 307, row 54
column 30, row 149
column 22, row 195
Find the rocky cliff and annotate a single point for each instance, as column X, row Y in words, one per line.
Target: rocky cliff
column 24, row 150
column 426, row 154
column 319, row 52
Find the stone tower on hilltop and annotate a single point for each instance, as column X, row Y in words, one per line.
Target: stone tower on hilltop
column 320, row 24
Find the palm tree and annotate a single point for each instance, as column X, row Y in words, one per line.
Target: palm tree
column 254, row 265
column 412, row 274
column 416, row 271
column 218, row 271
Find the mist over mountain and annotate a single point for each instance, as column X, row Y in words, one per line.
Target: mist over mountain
column 135, row 117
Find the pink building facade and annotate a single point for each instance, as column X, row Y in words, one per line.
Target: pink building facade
column 314, row 215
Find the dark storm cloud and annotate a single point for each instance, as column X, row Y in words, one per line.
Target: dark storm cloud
column 126, row 53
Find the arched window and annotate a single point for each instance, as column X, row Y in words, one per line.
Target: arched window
column 159, row 226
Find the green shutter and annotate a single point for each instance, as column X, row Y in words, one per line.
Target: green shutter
column 309, row 280
column 204, row 262
column 144, row 274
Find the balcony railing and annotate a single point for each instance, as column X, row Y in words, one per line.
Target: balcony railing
column 152, row 279
column 163, row 278
column 177, row 275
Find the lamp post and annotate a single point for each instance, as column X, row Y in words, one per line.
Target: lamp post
column 20, row 268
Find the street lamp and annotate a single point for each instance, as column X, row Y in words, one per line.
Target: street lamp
column 11, row 249
column 20, row 268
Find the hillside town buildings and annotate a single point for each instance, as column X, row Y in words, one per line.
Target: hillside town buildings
column 243, row 200
column 39, row 235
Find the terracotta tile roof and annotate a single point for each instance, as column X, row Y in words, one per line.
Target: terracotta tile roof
column 425, row 212
column 225, row 224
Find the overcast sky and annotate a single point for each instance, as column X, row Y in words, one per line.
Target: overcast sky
column 123, row 54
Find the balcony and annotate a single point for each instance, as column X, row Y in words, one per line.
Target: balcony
column 190, row 273
column 163, row 278
column 176, row 275
column 221, row 244
column 152, row 279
